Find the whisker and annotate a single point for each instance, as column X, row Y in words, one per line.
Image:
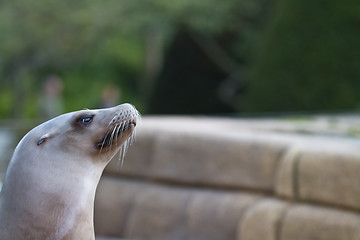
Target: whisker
column 133, row 137
column 121, row 154
column 112, row 136
column 124, row 150
column 116, row 134
column 106, row 136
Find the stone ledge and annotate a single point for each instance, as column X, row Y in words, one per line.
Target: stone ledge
column 113, row 205
column 272, row 219
column 310, row 222
column 217, row 159
column 327, row 176
column 222, row 153
column 263, row 221
column 140, row 210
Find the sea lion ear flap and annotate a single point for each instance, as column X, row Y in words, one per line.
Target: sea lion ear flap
column 43, row 139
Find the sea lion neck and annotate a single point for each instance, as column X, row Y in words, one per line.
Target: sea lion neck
column 68, row 199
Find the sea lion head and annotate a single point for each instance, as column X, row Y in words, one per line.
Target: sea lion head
column 98, row 134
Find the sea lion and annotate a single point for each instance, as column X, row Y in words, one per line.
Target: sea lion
column 50, row 184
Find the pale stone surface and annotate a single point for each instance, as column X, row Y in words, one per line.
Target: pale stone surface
column 113, row 205
column 316, row 223
column 216, row 161
column 327, row 174
column 159, row 213
column 163, row 212
column 193, row 153
column 211, row 160
column 216, row 215
column 263, row 221
column 107, row 238
column 220, row 153
column 330, row 177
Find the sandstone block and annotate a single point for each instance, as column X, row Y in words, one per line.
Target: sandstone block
column 216, row 160
column 113, row 204
column 162, row 212
column 330, row 177
column 322, row 175
column 262, row 221
column 216, row 215
column 106, row 238
column 315, row 223
column 159, row 213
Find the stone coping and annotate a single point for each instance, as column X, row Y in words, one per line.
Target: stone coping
column 229, row 154
column 143, row 210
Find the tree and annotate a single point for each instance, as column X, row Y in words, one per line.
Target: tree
column 309, row 58
column 88, row 43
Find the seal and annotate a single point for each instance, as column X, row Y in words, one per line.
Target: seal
column 50, row 184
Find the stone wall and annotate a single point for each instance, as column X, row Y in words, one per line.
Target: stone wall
column 201, row 178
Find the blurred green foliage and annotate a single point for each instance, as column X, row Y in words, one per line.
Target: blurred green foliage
column 309, row 58
column 246, row 55
column 91, row 43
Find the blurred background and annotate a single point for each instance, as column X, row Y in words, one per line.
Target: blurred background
column 179, row 57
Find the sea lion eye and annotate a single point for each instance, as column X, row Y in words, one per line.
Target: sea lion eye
column 85, row 120
column 41, row 141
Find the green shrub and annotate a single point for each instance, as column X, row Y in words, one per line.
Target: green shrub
column 309, row 58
